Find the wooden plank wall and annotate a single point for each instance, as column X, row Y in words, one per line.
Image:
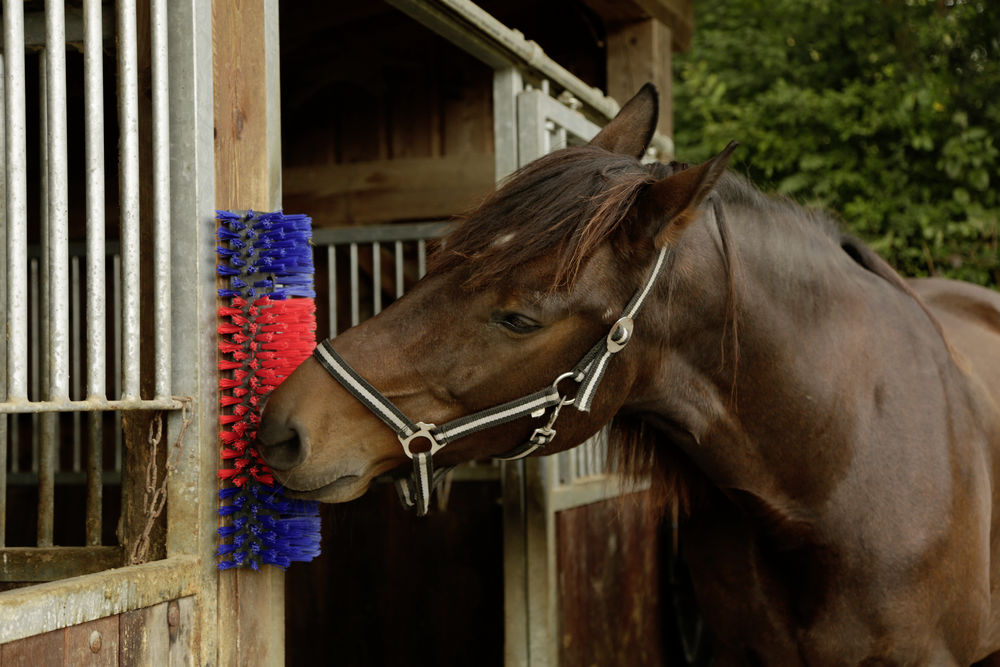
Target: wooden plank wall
column 391, row 588
column 157, row 635
column 608, row 564
column 382, row 120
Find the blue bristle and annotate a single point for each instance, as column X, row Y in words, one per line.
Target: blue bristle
column 278, row 530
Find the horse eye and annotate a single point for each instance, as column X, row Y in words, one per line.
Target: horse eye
column 517, row 323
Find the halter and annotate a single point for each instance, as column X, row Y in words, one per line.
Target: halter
column 416, row 489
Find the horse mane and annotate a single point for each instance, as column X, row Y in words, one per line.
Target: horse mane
column 562, row 207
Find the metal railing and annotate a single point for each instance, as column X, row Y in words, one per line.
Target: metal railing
column 404, row 248
column 55, row 292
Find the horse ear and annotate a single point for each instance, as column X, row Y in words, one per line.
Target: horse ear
column 675, row 199
column 632, row 129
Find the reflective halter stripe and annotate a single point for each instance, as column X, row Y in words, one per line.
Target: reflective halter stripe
column 416, row 490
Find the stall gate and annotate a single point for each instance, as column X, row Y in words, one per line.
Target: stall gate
column 107, row 370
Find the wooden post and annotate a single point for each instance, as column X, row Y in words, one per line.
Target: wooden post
column 642, row 36
column 638, row 53
column 248, row 176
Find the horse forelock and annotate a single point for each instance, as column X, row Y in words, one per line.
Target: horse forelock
column 561, row 207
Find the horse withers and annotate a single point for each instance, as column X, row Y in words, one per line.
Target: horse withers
column 829, row 430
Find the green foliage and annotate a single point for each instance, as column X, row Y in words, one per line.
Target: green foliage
column 884, row 111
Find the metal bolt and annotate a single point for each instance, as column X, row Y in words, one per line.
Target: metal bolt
column 95, row 641
column 173, row 614
column 173, row 619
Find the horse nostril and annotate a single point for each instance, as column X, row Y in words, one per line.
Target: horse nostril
column 280, row 446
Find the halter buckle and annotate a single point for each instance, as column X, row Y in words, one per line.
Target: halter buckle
column 425, row 431
column 620, row 334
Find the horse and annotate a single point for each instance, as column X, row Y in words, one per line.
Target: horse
column 828, row 430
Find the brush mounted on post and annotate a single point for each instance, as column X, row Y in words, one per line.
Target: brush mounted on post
column 267, row 329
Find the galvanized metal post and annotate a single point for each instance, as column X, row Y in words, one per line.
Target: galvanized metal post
column 3, row 327
column 161, row 197
column 15, row 174
column 93, row 118
column 191, row 506
column 128, row 166
column 93, row 92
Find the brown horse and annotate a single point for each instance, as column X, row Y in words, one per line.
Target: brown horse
column 830, row 430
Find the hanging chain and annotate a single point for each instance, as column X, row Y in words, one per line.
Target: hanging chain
column 155, row 497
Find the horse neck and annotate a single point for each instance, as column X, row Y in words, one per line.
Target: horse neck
column 767, row 396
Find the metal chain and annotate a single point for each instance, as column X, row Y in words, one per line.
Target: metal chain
column 155, row 497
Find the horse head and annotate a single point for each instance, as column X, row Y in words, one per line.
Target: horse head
column 521, row 289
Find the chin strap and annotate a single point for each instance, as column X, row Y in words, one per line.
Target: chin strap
column 415, row 490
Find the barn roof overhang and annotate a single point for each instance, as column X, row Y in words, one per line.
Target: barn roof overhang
column 477, row 32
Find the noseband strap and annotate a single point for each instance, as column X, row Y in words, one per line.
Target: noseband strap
column 416, row 490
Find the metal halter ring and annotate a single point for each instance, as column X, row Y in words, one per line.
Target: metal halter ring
column 426, row 431
column 562, row 397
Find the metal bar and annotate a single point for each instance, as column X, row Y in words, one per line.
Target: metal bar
column 398, row 256
column 161, row 196
column 128, row 115
column 507, row 84
column 74, row 325
column 3, row 327
column 15, row 174
column 355, row 315
column 192, row 514
column 57, row 202
column 331, row 283
column 47, row 477
column 376, row 278
column 93, row 92
column 14, row 426
column 116, row 307
column 421, row 258
column 95, row 487
column 39, row 407
column 35, row 373
column 40, row 334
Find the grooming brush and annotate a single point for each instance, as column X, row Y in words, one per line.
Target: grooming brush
column 267, row 329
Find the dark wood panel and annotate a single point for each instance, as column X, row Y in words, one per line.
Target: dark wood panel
column 144, row 637
column 94, row 644
column 607, row 554
column 45, row 649
column 387, row 190
column 392, row 588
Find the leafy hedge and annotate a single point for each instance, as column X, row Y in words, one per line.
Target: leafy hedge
column 884, row 111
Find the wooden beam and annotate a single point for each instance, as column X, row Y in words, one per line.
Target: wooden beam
column 388, row 190
column 640, row 52
column 677, row 15
column 247, row 176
